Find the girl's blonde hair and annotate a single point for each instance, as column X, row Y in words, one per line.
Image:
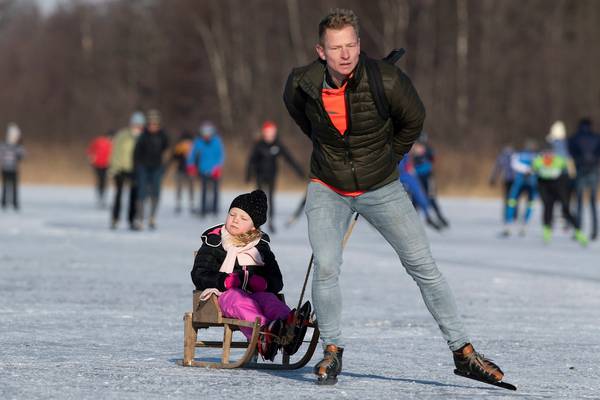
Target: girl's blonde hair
column 245, row 238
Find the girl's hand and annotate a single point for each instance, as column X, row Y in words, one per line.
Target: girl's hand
column 232, row 281
column 257, row 283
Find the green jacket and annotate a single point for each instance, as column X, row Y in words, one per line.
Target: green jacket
column 121, row 159
column 366, row 156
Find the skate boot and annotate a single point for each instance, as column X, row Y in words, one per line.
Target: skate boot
column 471, row 363
column 523, row 230
column 547, row 234
column 581, row 237
column 296, row 326
column 330, row 366
column 432, row 223
column 506, row 231
column 268, row 340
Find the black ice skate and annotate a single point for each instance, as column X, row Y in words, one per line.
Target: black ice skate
column 330, row 366
column 296, row 328
column 268, row 341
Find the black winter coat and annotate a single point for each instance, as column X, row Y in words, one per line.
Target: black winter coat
column 263, row 161
column 149, row 149
column 211, row 255
column 367, row 155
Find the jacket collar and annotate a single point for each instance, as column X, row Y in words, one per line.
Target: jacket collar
column 311, row 80
column 212, row 236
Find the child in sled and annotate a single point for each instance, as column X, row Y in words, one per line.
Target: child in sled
column 235, row 263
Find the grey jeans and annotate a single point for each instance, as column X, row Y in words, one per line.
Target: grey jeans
column 389, row 211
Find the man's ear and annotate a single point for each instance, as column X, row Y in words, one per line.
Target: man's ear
column 320, row 51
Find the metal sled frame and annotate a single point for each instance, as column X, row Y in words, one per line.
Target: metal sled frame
column 208, row 314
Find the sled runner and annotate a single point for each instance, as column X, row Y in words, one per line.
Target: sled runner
column 207, row 314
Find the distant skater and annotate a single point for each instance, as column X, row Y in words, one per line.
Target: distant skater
column 149, row 157
column 99, row 155
column 11, row 154
column 262, row 164
column 122, row 168
column 208, row 156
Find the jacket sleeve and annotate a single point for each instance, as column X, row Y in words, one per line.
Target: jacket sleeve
column 221, row 151
column 295, row 102
column 270, row 271
column 191, row 158
column 205, row 273
column 407, row 112
column 288, row 157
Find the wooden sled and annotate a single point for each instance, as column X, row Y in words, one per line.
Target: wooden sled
column 207, row 314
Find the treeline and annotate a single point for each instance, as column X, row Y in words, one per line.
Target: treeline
column 488, row 71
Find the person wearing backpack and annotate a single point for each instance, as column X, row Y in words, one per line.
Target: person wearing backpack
column 357, row 143
column 584, row 147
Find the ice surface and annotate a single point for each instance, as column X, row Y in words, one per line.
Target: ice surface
column 86, row 312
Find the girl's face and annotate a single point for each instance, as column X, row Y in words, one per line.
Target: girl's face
column 238, row 222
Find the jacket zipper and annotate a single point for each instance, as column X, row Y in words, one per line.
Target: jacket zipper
column 346, row 138
column 343, row 137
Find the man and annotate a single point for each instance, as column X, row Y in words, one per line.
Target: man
column 121, row 167
column 207, row 157
column 503, row 169
column 149, row 156
column 584, row 147
column 11, row 154
column 354, row 169
column 262, row 163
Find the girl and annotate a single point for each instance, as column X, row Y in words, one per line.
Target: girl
column 236, row 263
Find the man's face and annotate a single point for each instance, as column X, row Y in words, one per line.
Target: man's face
column 153, row 127
column 340, row 49
column 269, row 134
column 137, row 129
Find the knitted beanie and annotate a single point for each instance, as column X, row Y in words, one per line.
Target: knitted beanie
column 153, row 117
column 137, row 118
column 255, row 204
column 268, row 125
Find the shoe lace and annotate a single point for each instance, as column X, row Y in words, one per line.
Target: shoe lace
column 486, row 365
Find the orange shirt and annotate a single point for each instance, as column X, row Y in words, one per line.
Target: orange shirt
column 335, row 105
column 334, row 101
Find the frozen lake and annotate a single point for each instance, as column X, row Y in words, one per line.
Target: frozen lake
column 89, row 313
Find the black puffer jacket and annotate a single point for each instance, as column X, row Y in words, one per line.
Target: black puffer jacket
column 211, row 255
column 366, row 156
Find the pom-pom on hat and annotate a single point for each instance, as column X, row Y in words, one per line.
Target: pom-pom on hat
column 255, row 204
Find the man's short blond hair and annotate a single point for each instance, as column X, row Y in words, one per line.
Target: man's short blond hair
column 338, row 18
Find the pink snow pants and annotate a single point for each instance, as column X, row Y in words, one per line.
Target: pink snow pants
column 236, row 303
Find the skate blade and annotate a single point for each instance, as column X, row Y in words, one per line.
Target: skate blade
column 501, row 384
column 324, row 380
